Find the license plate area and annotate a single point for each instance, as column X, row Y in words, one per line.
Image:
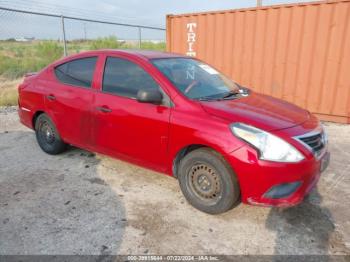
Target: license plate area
column 324, row 162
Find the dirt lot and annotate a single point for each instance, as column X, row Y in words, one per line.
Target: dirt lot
column 81, row 203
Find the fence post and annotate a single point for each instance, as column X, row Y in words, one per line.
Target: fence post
column 64, row 36
column 140, row 38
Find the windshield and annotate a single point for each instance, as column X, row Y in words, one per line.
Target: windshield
column 195, row 79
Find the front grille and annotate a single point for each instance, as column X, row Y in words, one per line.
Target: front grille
column 316, row 142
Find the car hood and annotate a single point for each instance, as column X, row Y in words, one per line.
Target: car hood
column 261, row 111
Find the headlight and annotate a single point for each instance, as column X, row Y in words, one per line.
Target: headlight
column 271, row 147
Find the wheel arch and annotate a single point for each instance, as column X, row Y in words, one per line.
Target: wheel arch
column 188, row 149
column 35, row 117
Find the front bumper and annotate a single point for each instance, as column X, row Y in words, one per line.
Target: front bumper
column 271, row 183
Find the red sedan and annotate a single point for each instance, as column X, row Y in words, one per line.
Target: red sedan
column 180, row 116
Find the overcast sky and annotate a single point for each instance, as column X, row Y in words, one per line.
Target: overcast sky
column 147, row 12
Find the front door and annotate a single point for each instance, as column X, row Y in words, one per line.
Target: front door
column 125, row 127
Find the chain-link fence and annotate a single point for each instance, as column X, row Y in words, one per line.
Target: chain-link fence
column 30, row 40
column 28, row 26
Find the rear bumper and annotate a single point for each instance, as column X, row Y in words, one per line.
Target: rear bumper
column 268, row 183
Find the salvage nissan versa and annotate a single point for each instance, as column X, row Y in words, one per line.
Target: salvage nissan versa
column 177, row 115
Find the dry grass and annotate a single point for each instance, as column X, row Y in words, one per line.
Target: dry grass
column 8, row 91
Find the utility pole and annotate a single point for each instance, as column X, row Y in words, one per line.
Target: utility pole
column 258, row 3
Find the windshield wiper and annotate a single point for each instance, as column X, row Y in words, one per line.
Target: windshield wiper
column 207, row 99
column 226, row 95
column 229, row 94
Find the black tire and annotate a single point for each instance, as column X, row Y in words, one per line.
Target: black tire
column 208, row 182
column 47, row 136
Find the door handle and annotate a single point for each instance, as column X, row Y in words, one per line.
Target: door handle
column 51, row 97
column 103, row 109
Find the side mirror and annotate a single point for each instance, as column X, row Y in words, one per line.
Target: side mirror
column 152, row 96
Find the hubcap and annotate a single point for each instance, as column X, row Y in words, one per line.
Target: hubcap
column 205, row 182
column 47, row 133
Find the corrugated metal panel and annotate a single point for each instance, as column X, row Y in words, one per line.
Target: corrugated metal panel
column 300, row 53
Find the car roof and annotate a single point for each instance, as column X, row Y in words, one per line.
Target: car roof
column 148, row 54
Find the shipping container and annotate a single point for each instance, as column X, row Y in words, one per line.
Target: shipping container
column 299, row 53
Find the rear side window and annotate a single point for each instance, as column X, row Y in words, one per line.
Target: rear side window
column 125, row 78
column 77, row 72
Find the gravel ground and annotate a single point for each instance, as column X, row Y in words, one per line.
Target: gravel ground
column 82, row 203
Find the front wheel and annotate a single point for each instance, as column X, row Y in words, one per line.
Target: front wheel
column 47, row 136
column 207, row 181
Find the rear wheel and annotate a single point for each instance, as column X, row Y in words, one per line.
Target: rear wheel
column 208, row 182
column 47, row 135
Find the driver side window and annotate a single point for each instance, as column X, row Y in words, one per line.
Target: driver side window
column 125, row 78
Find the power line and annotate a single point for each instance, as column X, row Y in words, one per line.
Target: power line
column 81, row 19
column 42, row 7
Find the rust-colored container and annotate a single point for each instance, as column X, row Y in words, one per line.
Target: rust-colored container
column 300, row 52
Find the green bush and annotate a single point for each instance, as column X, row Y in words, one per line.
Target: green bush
column 49, row 50
column 19, row 59
column 110, row 42
column 13, row 67
column 153, row 46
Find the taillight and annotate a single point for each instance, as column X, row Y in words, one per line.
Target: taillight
column 19, row 89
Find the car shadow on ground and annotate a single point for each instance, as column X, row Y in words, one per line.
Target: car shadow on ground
column 55, row 204
column 308, row 226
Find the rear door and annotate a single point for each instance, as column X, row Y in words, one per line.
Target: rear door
column 125, row 127
column 69, row 99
